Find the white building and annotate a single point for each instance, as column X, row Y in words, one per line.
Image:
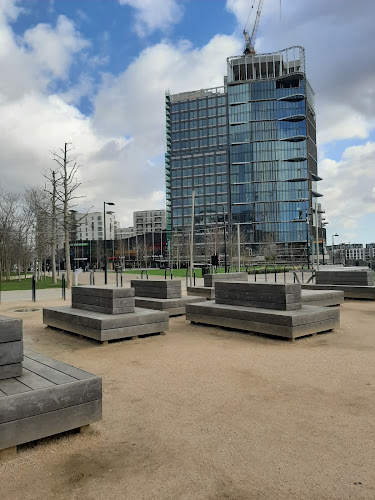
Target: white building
column 123, row 233
column 149, row 221
column 90, row 227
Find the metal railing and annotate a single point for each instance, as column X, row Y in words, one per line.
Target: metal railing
column 170, row 271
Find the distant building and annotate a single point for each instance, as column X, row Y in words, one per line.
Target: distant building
column 90, row 227
column 148, row 221
column 124, row 233
column 370, row 250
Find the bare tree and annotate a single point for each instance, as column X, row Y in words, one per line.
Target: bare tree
column 64, row 186
column 37, row 211
column 9, row 236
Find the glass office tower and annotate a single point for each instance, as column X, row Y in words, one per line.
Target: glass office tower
column 261, row 157
column 196, row 159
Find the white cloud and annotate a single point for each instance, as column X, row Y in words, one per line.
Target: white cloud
column 121, row 147
column 350, row 191
column 338, row 37
column 152, row 15
column 53, row 48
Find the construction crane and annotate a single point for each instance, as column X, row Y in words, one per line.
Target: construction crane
column 250, row 42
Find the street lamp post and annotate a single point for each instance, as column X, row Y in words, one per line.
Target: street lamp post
column 307, row 239
column 225, row 241
column 105, row 242
column 333, row 247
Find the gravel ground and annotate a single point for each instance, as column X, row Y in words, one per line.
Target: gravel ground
column 207, row 413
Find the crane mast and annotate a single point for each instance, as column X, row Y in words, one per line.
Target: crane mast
column 249, row 42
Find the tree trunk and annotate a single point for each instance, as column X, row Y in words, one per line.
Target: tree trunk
column 66, row 222
column 53, row 228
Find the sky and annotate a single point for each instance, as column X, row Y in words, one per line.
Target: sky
column 94, row 73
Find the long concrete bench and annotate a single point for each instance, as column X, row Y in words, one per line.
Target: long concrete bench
column 47, row 398
column 11, row 347
column 349, row 276
column 211, row 279
column 350, row 291
column 89, row 320
column 208, row 290
column 162, row 295
column 325, row 298
column 278, row 296
column 104, row 327
column 274, row 309
column 309, row 297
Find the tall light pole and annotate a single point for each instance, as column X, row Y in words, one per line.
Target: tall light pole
column 333, row 247
column 225, row 241
column 105, row 242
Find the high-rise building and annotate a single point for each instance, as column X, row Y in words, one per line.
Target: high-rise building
column 247, row 149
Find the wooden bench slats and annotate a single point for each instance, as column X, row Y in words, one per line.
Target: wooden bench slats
column 33, row 380
column 47, row 372
column 74, row 372
column 13, row 386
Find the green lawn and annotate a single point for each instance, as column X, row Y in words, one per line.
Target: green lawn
column 25, row 284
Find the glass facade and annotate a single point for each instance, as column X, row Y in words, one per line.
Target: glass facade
column 197, row 158
column 250, row 147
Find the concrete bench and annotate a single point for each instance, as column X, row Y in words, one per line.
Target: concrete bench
column 208, row 292
column 11, row 347
column 267, row 308
column 211, row 279
column 345, row 277
column 350, row 291
column 174, row 307
column 157, row 289
column 105, row 313
column 324, row 298
column 47, row 398
column 109, row 300
column 278, row 296
column 104, row 327
column 162, row 296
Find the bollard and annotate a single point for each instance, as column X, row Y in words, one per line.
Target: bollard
column 117, row 279
column 63, row 286
column 33, row 288
column 265, row 273
column 275, row 274
column 187, row 269
column 194, row 276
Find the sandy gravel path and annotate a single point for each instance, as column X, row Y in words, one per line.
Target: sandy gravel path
column 206, row 413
